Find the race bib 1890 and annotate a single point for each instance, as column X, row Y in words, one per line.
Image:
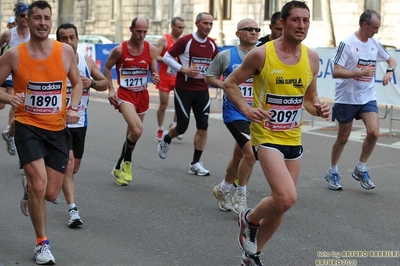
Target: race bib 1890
column 44, row 97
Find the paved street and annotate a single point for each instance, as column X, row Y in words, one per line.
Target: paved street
column 167, row 217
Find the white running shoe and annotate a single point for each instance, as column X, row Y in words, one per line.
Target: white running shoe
column 74, row 220
column 239, row 202
column 10, row 142
column 198, row 169
column 224, row 202
column 163, row 146
column 42, row 254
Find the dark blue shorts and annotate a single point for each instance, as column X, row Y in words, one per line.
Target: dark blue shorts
column 7, row 84
column 345, row 113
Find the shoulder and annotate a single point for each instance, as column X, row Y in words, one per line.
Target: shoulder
column 312, row 55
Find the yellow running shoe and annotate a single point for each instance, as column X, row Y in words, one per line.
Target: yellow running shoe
column 119, row 180
column 126, row 171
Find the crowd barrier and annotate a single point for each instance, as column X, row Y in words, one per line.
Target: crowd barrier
column 388, row 96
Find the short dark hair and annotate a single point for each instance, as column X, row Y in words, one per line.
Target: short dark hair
column 39, row 4
column 285, row 12
column 174, row 19
column 66, row 26
column 275, row 17
column 366, row 16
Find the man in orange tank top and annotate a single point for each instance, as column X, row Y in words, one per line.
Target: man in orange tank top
column 167, row 74
column 41, row 116
column 133, row 60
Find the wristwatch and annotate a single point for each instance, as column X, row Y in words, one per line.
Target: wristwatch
column 389, row 69
column 93, row 84
column 73, row 108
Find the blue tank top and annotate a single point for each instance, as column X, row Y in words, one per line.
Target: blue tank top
column 229, row 111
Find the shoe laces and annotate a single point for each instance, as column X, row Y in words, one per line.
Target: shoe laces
column 164, row 146
column 43, row 248
column 127, row 167
column 73, row 214
column 256, row 259
column 198, row 167
column 335, row 177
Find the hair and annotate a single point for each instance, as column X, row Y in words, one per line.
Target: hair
column 133, row 24
column 174, row 19
column 285, row 12
column 275, row 17
column 200, row 15
column 20, row 7
column 366, row 16
column 66, row 26
column 39, row 4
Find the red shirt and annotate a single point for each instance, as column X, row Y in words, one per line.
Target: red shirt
column 193, row 51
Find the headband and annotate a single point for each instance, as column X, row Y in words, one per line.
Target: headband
column 21, row 9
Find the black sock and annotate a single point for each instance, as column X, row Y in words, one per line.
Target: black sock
column 130, row 146
column 118, row 166
column 196, row 156
column 167, row 139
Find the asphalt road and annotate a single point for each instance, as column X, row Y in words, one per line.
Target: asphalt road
column 167, row 217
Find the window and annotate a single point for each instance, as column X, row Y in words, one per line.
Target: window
column 226, row 8
column 89, row 9
column 112, row 15
column 374, row 5
column 270, row 7
column 317, row 10
column 66, row 12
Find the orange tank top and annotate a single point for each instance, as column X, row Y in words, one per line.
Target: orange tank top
column 44, row 85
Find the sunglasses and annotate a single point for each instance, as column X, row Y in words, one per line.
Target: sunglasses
column 250, row 29
column 22, row 15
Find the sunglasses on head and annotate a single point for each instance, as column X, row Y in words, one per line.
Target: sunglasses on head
column 23, row 15
column 250, row 29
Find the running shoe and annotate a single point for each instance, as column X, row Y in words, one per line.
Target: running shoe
column 57, row 200
column 10, row 142
column 158, row 135
column 224, row 202
column 239, row 202
column 248, row 234
column 249, row 260
column 333, row 180
column 24, row 202
column 42, row 254
column 198, row 169
column 126, row 171
column 74, row 220
column 163, row 146
column 119, row 180
column 364, row 178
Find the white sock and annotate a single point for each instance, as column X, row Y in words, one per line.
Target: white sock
column 71, row 206
column 334, row 169
column 362, row 167
column 241, row 189
column 225, row 187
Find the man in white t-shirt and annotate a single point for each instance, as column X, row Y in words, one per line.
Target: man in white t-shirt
column 355, row 62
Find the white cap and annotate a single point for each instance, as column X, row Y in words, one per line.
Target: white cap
column 11, row 20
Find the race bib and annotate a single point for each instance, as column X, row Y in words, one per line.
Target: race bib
column 246, row 88
column 134, row 79
column 286, row 112
column 83, row 104
column 44, row 97
column 202, row 64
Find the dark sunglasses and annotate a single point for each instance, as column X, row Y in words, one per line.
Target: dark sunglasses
column 250, row 29
column 22, row 15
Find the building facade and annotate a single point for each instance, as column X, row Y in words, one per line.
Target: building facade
column 112, row 18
